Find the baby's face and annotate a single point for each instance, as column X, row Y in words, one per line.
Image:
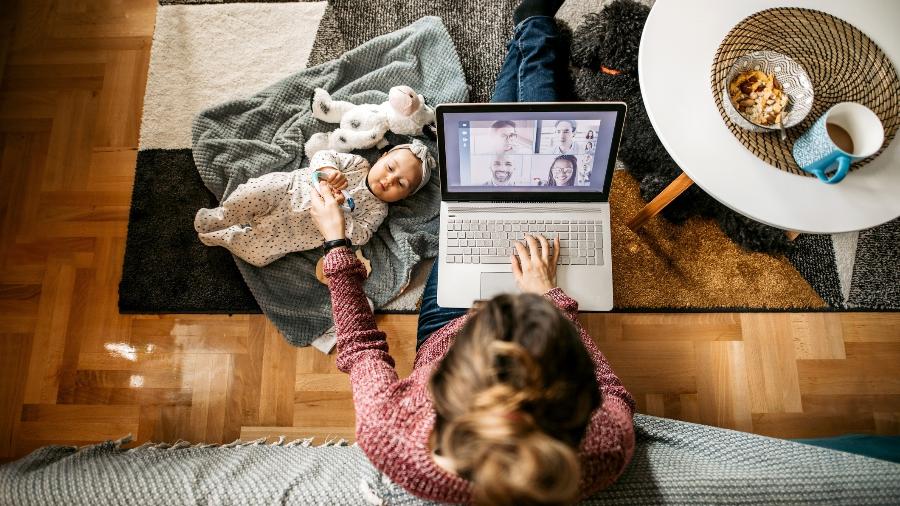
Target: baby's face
column 395, row 175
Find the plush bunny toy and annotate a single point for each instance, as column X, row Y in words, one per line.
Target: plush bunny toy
column 364, row 126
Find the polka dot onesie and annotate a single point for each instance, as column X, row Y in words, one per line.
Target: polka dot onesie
column 268, row 217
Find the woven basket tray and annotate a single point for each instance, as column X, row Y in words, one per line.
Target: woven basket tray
column 843, row 64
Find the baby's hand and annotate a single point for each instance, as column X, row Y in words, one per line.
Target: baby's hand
column 335, row 178
column 338, row 196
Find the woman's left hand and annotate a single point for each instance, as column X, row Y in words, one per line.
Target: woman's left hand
column 534, row 267
column 327, row 214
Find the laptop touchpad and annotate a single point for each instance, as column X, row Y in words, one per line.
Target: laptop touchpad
column 495, row 283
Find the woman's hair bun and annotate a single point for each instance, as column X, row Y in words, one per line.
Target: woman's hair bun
column 513, row 397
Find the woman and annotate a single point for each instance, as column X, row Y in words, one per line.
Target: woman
column 562, row 171
column 511, row 404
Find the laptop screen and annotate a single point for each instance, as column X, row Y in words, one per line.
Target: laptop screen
column 528, row 153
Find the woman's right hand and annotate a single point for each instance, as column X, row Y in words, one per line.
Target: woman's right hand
column 327, row 213
column 534, row 267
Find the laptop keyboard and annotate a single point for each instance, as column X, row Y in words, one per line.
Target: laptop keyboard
column 491, row 241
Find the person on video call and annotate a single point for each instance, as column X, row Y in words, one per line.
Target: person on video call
column 583, row 176
column 502, row 169
column 564, row 140
column 505, row 139
column 562, row 171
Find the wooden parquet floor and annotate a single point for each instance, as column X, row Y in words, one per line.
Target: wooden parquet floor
column 74, row 371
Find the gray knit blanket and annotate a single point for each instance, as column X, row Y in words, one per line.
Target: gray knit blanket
column 674, row 462
column 249, row 137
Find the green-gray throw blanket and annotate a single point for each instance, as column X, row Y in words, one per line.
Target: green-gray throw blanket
column 674, row 462
column 249, row 137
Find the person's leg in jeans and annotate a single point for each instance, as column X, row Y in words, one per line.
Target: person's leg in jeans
column 536, row 64
column 431, row 315
column 535, row 70
column 506, row 89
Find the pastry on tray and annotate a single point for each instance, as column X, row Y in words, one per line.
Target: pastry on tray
column 758, row 96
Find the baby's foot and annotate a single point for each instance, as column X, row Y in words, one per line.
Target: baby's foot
column 208, row 220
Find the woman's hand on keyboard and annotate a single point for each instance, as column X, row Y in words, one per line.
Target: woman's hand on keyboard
column 534, row 265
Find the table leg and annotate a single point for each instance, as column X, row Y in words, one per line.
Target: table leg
column 675, row 188
column 791, row 235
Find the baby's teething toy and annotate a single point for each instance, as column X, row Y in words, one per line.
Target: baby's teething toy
column 348, row 204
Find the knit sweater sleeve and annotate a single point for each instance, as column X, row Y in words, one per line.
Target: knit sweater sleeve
column 608, row 443
column 362, row 350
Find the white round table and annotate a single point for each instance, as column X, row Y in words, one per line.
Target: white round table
column 679, row 42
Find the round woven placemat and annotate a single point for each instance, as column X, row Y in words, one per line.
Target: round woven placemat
column 843, row 64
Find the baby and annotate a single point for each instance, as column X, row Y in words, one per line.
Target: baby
column 268, row 217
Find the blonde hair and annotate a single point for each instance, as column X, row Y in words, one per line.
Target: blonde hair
column 513, row 397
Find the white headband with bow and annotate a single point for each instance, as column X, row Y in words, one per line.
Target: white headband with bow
column 419, row 149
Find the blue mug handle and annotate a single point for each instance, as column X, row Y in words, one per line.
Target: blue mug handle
column 843, row 167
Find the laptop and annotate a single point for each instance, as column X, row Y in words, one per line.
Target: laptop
column 508, row 169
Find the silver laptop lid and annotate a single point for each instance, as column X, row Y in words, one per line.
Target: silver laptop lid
column 528, row 152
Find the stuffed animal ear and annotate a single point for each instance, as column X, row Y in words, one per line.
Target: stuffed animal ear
column 430, row 131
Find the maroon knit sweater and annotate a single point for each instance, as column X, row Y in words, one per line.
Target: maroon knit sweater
column 394, row 417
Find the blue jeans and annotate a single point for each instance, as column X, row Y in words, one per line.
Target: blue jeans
column 536, row 65
column 535, row 70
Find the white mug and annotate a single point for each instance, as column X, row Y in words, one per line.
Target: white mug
column 846, row 133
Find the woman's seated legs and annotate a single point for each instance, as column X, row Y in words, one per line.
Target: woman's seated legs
column 535, row 70
column 432, row 316
column 507, row 87
column 536, row 64
column 543, row 61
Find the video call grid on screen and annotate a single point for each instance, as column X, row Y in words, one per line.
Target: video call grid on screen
column 528, row 151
